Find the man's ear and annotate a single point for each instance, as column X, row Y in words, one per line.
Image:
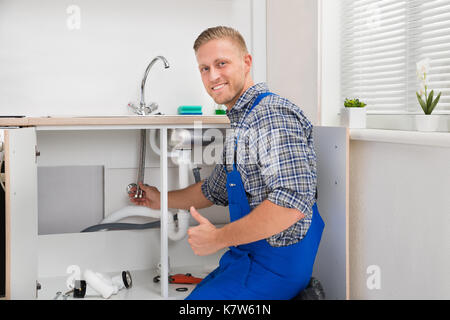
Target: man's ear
column 248, row 61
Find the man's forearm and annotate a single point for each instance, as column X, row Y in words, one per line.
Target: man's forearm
column 190, row 196
column 264, row 221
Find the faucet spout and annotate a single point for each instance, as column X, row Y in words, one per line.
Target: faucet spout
column 144, row 79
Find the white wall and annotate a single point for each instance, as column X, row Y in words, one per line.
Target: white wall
column 330, row 72
column 292, row 53
column 47, row 68
column 302, row 45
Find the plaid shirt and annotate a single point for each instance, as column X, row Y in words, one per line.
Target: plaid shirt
column 275, row 157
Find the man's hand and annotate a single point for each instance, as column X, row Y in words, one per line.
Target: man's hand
column 150, row 197
column 204, row 238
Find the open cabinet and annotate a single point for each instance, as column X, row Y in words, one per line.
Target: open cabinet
column 31, row 258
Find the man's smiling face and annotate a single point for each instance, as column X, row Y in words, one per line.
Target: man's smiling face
column 224, row 69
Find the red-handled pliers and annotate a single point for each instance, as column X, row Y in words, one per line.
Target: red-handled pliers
column 181, row 279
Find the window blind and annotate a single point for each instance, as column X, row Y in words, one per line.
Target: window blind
column 382, row 40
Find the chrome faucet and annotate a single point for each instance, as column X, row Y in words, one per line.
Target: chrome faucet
column 144, row 108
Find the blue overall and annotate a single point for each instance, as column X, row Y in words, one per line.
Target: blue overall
column 258, row 271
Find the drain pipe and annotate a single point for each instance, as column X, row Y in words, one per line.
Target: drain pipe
column 177, row 229
column 131, row 211
column 178, row 232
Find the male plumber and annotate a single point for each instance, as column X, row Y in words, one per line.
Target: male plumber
column 267, row 178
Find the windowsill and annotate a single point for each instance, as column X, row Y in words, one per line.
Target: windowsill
column 372, row 112
column 402, row 121
column 400, row 127
column 436, row 139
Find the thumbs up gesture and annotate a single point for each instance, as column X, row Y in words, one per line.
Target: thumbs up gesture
column 204, row 238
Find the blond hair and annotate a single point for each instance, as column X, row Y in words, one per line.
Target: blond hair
column 220, row 32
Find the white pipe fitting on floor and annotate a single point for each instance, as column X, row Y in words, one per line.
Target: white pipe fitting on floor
column 100, row 283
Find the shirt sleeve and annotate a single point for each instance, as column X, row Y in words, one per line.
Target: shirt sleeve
column 214, row 187
column 287, row 160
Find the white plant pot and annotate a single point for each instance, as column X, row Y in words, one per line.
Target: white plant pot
column 353, row 118
column 427, row 122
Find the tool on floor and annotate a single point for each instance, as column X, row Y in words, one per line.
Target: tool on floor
column 64, row 296
column 67, row 294
column 58, row 294
column 181, row 279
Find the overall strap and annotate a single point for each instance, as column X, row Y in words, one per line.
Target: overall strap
column 257, row 101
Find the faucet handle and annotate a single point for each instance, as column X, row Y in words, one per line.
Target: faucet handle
column 148, row 108
column 134, row 107
column 153, row 107
column 143, row 109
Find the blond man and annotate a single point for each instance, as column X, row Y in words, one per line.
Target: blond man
column 267, row 178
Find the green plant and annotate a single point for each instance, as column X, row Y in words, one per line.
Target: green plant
column 428, row 103
column 354, row 103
